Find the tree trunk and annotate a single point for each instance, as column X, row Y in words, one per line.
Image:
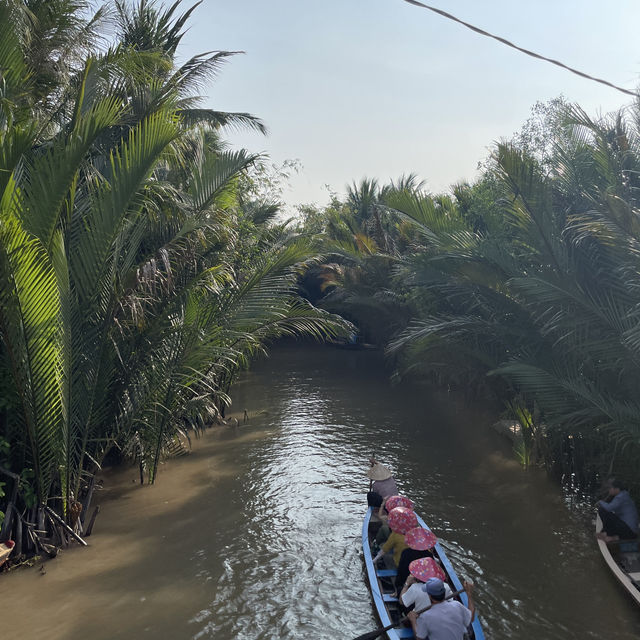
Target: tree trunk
column 17, row 538
column 94, row 515
column 41, row 522
column 27, row 542
column 65, row 527
column 64, row 541
column 5, row 532
column 86, row 501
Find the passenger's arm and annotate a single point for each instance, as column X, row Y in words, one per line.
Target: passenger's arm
column 611, row 506
column 413, row 618
column 386, row 547
column 409, row 581
column 468, row 587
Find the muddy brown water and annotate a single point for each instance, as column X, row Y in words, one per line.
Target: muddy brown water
column 255, row 535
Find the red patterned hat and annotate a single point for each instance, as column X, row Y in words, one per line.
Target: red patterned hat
column 398, row 501
column 420, row 539
column 402, row 519
column 425, row 568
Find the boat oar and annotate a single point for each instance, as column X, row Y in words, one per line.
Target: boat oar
column 378, row 632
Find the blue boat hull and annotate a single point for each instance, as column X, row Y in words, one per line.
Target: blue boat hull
column 379, row 580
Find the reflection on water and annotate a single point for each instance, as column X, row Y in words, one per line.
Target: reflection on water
column 295, row 569
column 269, row 535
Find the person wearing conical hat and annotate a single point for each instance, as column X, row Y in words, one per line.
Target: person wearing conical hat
column 382, row 480
column 420, row 542
column 413, row 596
column 400, row 521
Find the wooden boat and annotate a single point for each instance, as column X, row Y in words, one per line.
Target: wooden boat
column 5, row 551
column 623, row 558
column 381, row 584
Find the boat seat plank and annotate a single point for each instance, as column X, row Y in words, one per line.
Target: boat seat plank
column 403, row 632
column 635, row 576
column 389, row 597
column 386, row 573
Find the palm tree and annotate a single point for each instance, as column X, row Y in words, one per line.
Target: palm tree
column 155, row 32
column 122, row 318
column 546, row 300
column 362, row 238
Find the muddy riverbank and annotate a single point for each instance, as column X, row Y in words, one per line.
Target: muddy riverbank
column 139, row 566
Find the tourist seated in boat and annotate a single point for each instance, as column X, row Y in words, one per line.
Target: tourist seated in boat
column 400, row 520
column 391, row 502
column 619, row 514
column 395, row 543
column 446, row 619
column 420, row 542
column 388, row 503
column 380, row 527
column 382, row 480
column 412, row 595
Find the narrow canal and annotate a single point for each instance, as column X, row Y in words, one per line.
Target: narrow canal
column 256, row 534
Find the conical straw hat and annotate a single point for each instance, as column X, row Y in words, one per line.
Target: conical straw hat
column 379, row 472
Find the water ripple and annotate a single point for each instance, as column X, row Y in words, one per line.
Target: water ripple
column 289, row 565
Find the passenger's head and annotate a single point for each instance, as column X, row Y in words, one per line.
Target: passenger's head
column 374, row 499
column 435, row 588
column 615, row 486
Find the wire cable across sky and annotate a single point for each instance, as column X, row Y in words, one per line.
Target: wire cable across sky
column 533, row 54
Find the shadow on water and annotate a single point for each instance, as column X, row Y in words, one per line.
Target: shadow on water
column 256, row 534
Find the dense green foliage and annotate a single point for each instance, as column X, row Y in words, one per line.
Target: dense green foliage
column 523, row 286
column 137, row 275
column 141, row 264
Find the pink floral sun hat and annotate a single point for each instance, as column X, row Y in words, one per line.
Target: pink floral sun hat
column 425, row 568
column 420, row 539
column 402, row 519
column 398, row 501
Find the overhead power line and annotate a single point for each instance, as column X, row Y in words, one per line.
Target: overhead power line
column 533, row 54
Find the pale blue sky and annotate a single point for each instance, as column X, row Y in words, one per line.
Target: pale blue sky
column 379, row 88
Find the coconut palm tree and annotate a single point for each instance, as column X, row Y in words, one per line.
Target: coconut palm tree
column 155, row 32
